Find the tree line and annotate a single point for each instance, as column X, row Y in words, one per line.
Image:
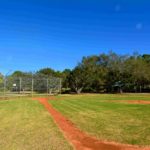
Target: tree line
column 111, row 73
column 104, row 73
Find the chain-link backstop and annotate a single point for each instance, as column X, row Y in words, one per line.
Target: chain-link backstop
column 30, row 85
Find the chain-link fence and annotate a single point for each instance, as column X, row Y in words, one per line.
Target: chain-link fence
column 30, row 85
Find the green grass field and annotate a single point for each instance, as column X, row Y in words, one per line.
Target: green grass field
column 26, row 125
column 105, row 117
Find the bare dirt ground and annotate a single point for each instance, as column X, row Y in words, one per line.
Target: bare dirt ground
column 131, row 101
column 79, row 139
column 4, row 98
column 138, row 102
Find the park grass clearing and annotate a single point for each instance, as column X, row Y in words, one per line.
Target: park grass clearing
column 26, row 125
column 100, row 116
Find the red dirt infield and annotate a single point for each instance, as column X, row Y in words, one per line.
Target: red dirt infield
column 131, row 101
column 79, row 139
column 138, row 102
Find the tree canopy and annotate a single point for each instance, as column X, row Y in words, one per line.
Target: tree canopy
column 101, row 73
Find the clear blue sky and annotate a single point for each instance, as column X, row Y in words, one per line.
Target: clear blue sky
column 57, row 33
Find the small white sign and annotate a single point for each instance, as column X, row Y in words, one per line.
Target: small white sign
column 14, row 85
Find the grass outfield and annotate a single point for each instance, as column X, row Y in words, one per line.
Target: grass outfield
column 106, row 118
column 26, row 125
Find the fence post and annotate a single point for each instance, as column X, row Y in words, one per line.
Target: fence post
column 32, row 86
column 4, row 80
column 47, row 86
column 20, row 84
column 60, row 86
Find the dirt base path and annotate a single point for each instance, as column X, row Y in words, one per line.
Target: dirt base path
column 80, row 140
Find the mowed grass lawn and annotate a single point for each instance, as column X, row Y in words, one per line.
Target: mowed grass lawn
column 26, row 125
column 105, row 117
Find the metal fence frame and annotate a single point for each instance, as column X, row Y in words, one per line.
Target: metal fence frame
column 11, row 86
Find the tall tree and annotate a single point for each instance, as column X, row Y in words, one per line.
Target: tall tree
column 77, row 79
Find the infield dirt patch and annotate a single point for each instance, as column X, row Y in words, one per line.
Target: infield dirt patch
column 4, row 98
column 139, row 102
column 131, row 101
column 79, row 139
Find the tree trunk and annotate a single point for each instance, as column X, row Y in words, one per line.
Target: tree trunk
column 78, row 90
column 120, row 90
column 140, row 89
